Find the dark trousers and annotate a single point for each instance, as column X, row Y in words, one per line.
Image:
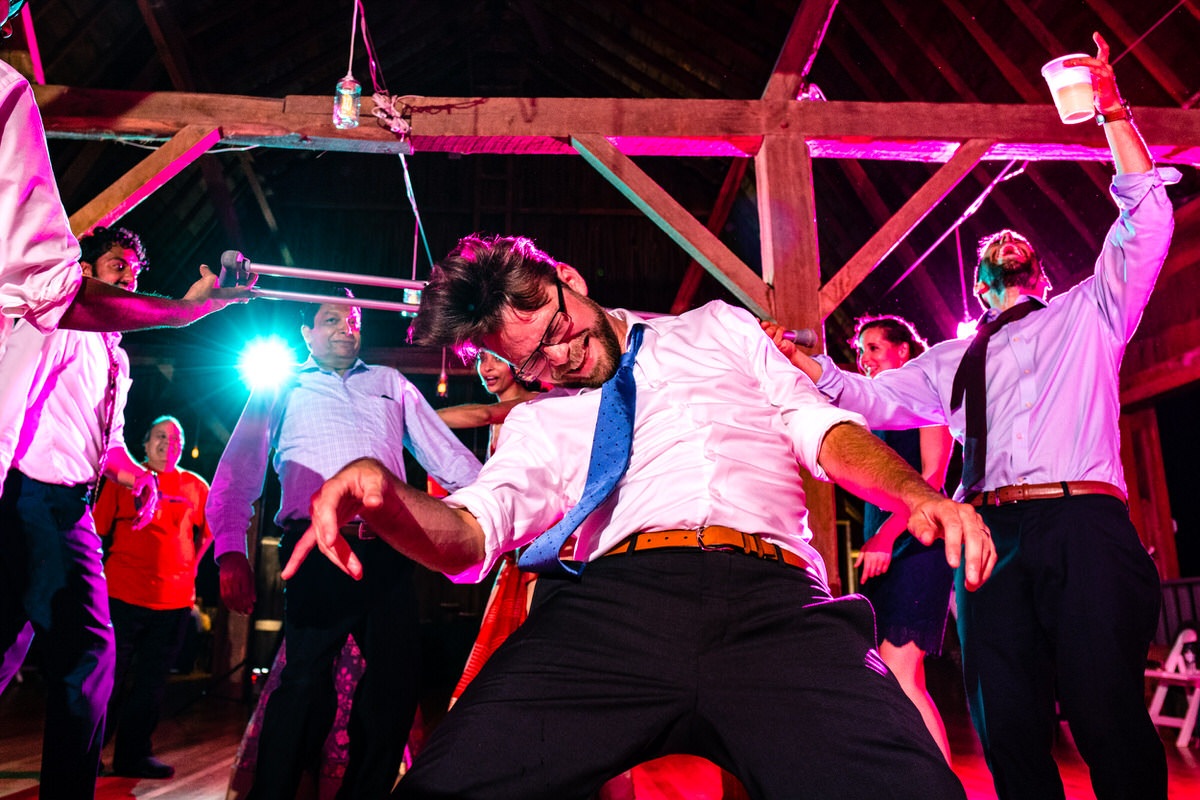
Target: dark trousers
column 322, row 607
column 1072, row 604
column 746, row 662
column 148, row 641
column 53, row 577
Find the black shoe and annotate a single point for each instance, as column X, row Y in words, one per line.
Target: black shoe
column 148, row 767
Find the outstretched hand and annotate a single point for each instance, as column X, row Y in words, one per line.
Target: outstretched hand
column 357, row 486
column 1106, row 96
column 209, row 290
column 968, row 540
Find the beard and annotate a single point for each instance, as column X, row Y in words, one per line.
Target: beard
column 608, row 358
column 1009, row 273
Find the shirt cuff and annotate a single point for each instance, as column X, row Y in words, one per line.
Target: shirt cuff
column 831, row 382
column 1129, row 188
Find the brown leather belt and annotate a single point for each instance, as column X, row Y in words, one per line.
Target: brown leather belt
column 1044, row 491
column 714, row 537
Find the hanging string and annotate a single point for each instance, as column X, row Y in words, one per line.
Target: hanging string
column 962, row 272
column 354, row 12
column 1149, row 30
column 971, row 209
column 420, row 229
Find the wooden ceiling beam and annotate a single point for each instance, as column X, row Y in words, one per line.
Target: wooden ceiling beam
column 140, row 182
column 799, row 49
column 877, row 248
column 1157, row 68
column 172, row 48
column 716, row 221
column 1013, row 75
column 929, row 132
column 688, row 232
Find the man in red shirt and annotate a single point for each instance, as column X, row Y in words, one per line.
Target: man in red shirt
column 151, row 587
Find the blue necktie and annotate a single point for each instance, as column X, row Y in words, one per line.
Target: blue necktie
column 609, row 460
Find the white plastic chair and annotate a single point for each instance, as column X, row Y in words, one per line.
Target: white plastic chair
column 1177, row 671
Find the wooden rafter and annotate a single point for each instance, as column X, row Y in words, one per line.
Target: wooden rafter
column 929, row 132
column 138, row 183
column 687, row 231
column 1158, row 68
column 799, row 50
column 716, row 221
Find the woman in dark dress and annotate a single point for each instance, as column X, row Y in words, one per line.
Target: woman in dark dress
column 907, row 582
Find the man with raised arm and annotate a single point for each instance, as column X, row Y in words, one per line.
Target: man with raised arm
column 334, row 409
column 1073, row 603
column 702, row 622
column 40, row 276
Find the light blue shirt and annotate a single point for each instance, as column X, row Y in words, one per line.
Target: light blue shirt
column 1052, row 378
column 317, row 424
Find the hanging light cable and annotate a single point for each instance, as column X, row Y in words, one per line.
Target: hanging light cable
column 347, row 97
column 967, row 326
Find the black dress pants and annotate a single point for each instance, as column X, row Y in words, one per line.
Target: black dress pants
column 1072, row 603
column 51, row 576
column 322, row 607
column 746, row 662
column 148, row 642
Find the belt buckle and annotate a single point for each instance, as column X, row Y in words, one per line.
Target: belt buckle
column 714, row 547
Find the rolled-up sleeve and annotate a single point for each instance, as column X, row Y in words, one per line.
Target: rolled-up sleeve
column 518, row 495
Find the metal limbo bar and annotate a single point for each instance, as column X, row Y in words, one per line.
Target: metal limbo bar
column 236, row 266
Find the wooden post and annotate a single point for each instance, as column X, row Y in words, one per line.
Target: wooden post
column 1145, row 478
column 791, row 263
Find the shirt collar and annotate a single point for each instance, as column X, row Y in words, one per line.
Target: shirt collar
column 311, row 365
column 992, row 313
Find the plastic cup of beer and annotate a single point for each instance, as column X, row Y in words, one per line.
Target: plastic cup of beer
column 1071, row 88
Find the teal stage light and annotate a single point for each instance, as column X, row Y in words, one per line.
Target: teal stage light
column 266, row 362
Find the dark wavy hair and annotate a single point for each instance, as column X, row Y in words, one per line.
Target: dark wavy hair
column 471, row 287
column 896, row 330
column 99, row 241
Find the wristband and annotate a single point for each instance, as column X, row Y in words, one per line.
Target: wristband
column 1117, row 114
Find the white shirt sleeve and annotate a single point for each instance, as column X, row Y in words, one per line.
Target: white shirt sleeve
column 434, row 446
column 39, row 256
column 238, row 481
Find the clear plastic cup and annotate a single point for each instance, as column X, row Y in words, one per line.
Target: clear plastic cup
column 1071, row 88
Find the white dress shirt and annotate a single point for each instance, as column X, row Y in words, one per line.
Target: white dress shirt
column 39, row 256
column 317, row 424
column 722, row 422
column 57, row 435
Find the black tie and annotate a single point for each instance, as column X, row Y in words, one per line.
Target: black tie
column 971, row 380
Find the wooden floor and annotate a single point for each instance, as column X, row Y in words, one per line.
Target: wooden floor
column 201, row 737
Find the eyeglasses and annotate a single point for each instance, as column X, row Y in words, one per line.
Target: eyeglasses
column 560, row 323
